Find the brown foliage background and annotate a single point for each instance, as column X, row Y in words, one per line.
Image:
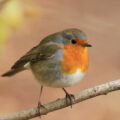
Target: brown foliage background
column 100, row 20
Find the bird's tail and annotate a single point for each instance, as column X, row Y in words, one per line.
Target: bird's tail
column 12, row 72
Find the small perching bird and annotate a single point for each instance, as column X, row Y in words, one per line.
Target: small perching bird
column 60, row 60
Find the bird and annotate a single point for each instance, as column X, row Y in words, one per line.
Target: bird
column 60, row 60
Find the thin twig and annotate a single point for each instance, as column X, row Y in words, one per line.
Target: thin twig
column 61, row 103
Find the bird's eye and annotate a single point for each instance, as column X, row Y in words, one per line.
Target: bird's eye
column 73, row 41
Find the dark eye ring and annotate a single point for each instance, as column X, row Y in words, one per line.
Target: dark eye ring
column 73, row 41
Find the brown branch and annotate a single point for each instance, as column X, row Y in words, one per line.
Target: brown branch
column 61, row 103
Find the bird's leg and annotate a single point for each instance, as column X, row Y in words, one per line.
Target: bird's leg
column 39, row 102
column 69, row 96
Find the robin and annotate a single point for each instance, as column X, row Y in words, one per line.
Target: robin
column 60, row 60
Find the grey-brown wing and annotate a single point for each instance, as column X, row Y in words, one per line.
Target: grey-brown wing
column 36, row 54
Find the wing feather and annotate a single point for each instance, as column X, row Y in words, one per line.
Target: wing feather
column 36, row 54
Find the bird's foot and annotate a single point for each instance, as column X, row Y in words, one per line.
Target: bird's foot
column 69, row 98
column 39, row 107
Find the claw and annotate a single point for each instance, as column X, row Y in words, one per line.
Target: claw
column 69, row 97
column 39, row 107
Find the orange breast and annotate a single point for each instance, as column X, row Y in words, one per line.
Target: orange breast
column 75, row 57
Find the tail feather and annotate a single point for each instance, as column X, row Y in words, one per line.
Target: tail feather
column 12, row 72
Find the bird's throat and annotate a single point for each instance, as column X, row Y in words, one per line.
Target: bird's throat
column 75, row 57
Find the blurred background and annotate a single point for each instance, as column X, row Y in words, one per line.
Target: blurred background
column 23, row 23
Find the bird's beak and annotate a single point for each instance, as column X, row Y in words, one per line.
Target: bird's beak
column 87, row 45
column 84, row 43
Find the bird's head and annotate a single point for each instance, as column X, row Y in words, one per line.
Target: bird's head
column 74, row 37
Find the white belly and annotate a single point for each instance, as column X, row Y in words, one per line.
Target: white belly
column 69, row 80
column 66, row 80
